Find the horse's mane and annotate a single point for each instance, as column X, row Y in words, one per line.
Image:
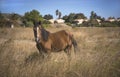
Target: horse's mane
column 45, row 34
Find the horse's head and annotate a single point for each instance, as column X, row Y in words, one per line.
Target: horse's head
column 36, row 28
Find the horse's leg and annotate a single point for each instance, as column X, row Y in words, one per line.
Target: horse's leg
column 40, row 49
column 67, row 50
column 46, row 55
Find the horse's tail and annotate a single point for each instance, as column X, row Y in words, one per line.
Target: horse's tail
column 74, row 44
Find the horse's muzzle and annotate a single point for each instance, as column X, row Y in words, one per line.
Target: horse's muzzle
column 37, row 40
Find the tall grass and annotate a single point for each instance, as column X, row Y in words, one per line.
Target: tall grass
column 99, row 54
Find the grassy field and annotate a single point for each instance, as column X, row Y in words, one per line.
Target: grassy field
column 98, row 55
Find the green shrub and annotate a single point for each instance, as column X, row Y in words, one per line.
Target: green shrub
column 29, row 24
column 110, row 24
column 46, row 22
column 46, row 25
column 69, row 24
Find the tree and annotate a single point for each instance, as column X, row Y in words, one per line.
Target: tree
column 32, row 16
column 80, row 16
column 93, row 15
column 1, row 16
column 60, row 14
column 15, row 16
column 48, row 17
column 71, row 17
column 111, row 17
column 65, row 18
column 118, row 18
column 57, row 12
column 2, row 20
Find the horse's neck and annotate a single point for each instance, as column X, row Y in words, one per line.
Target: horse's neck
column 45, row 34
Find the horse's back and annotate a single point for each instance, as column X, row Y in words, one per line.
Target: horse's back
column 62, row 34
column 59, row 35
column 59, row 40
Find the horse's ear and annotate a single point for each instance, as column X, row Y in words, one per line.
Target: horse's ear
column 39, row 23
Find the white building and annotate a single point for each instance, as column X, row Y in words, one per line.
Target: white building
column 57, row 20
column 98, row 20
column 118, row 19
column 111, row 20
column 60, row 21
column 51, row 20
column 80, row 21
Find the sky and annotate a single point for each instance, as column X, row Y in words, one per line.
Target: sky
column 103, row 8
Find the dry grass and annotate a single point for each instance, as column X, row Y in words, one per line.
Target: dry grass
column 99, row 54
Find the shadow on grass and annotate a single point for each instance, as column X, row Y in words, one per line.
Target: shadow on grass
column 33, row 57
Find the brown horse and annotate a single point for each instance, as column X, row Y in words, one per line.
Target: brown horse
column 47, row 42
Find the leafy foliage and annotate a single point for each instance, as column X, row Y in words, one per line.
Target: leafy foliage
column 33, row 15
column 48, row 17
column 46, row 22
column 72, row 16
column 6, row 19
column 15, row 16
column 111, row 24
column 58, row 13
column 80, row 16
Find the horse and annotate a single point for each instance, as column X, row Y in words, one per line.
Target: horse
column 47, row 42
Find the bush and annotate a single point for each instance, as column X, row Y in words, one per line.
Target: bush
column 94, row 23
column 69, row 24
column 46, row 22
column 5, row 23
column 85, row 24
column 110, row 24
column 29, row 24
column 46, row 25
